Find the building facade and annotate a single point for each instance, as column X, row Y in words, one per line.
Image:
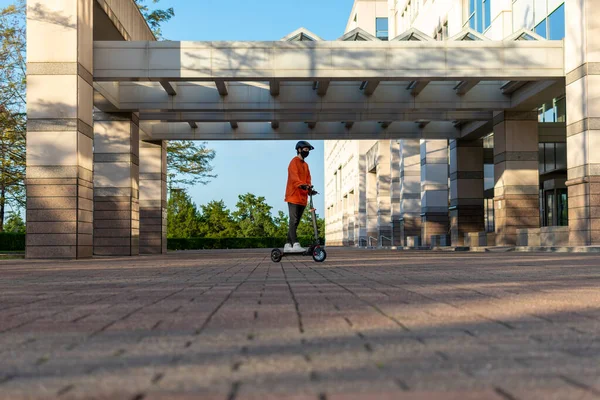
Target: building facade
column 460, row 192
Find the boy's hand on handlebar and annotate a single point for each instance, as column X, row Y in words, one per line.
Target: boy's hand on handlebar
column 305, row 187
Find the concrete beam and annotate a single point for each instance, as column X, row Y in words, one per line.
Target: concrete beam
column 369, row 87
column 464, row 87
column 416, row 87
column 274, row 88
column 512, row 86
column 221, row 87
column 326, row 116
column 294, row 130
column 338, row 60
column 169, row 88
column 322, row 87
column 300, row 96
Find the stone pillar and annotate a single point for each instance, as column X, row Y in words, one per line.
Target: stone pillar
column 153, row 197
column 582, row 63
column 466, row 189
column 59, row 129
column 372, row 218
column 384, row 211
column 116, row 184
column 395, row 192
column 434, row 189
column 360, row 224
column 410, row 188
column 516, row 175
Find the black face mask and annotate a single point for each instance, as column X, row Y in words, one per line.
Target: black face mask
column 304, row 154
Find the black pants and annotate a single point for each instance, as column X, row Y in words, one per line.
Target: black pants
column 296, row 212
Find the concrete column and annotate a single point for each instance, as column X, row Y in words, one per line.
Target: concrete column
column 360, row 224
column 395, row 192
column 59, row 129
column 384, row 211
column 582, row 63
column 153, row 197
column 116, row 184
column 516, row 175
column 410, row 188
column 372, row 208
column 466, row 189
column 434, row 189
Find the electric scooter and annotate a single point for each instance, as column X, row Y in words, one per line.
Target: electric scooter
column 315, row 250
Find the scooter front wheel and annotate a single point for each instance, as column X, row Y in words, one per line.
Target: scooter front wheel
column 319, row 254
column 276, row 255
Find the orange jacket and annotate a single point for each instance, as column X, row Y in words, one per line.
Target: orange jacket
column 298, row 174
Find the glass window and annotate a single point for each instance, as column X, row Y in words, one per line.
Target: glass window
column 562, row 212
column 541, row 29
column 549, row 159
column 488, row 176
column 549, row 208
column 561, row 109
column 487, row 14
column 561, row 156
column 541, row 157
column 381, row 25
column 556, row 22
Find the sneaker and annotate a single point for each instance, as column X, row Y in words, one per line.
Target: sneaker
column 287, row 248
column 297, row 248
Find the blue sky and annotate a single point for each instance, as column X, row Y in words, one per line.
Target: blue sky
column 256, row 167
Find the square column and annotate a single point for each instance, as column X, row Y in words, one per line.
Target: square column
column 360, row 219
column 434, row 189
column 582, row 63
column 116, row 184
column 395, row 192
column 516, row 175
column 384, row 211
column 466, row 189
column 59, row 129
column 153, row 197
column 410, row 189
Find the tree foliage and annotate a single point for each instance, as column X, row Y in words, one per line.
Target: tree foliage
column 14, row 224
column 189, row 163
column 252, row 218
column 183, row 218
column 155, row 17
column 12, row 108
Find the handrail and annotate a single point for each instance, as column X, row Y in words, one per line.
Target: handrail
column 371, row 237
column 385, row 237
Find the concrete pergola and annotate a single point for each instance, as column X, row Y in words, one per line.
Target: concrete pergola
column 104, row 96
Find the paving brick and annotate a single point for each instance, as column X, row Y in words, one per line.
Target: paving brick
column 363, row 325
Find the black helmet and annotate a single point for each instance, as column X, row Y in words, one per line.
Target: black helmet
column 302, row 144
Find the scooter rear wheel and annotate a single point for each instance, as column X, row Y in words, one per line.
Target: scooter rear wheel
column 276, row 255
column 319, row 254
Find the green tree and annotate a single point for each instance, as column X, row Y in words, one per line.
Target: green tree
column 189, row 163
column 217, row 221
column 183, row 218
column 12, row 108
column 155, row 17
column 305, row 228
column 14, row 224
column 281, row 224
column 253, row 216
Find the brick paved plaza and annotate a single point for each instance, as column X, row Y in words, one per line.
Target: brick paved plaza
column 363, row 325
